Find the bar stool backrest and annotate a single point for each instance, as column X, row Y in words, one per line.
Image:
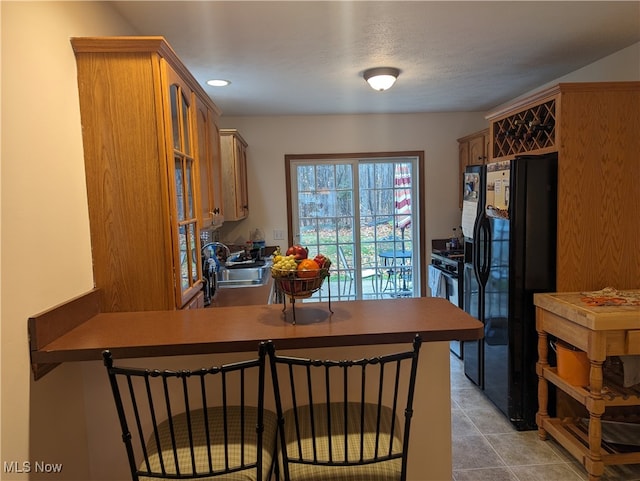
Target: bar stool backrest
column 344, row 419
column 187, row 424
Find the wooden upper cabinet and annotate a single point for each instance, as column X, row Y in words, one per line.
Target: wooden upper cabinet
column 478, row 148
column 473, row 149
column 141, row 151
column 184, row 189
column 594, row 129
column 234, row 171
column 212, row 208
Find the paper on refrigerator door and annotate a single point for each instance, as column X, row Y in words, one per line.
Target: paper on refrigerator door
column 470, row 203
column 469, row 214
column 497, row 194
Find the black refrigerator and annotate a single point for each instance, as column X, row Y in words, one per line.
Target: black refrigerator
column 514, row 256
column 472, row 301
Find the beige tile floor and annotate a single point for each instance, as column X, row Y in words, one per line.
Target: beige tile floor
column 487, row 448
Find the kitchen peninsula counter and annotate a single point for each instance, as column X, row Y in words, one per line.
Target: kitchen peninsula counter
column 240, row 328
column 225, row 334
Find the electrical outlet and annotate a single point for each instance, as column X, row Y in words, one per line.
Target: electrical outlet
column 278, row 234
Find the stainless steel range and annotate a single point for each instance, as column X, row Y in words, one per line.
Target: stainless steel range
column 446, row 274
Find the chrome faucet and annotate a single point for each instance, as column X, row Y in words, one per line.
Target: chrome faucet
column 215, row 245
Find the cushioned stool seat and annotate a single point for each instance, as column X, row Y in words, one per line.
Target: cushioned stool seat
column 236, row 453
column 371, row 446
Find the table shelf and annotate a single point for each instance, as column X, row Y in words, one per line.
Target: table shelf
column 612, row 394
column 574, row 437
column 602, row 332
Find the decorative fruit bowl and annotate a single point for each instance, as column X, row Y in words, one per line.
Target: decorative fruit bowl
column 299, row 285
column 298, row 277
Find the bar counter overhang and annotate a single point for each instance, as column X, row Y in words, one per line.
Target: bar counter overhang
column 241, row 328
column 355, row 329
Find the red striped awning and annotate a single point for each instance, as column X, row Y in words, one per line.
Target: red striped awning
column 402, row 194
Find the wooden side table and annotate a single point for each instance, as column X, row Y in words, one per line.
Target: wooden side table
column 600, row 332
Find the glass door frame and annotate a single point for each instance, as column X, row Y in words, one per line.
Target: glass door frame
column 419, row 263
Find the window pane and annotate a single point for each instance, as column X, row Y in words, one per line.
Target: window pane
column 325, row 177
column 189, row 189
column 345, row 203
column 309, row 233
column 173, row 94
column 179, row 188
column 306, row 178
column 185, row 124
column 344, row 177
column 184, row 260
column 306, row 205
column 326, row 204
column 193, row 251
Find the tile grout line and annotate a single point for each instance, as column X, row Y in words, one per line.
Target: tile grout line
column 567, row 463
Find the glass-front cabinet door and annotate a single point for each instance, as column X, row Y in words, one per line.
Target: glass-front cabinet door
column 183, row 178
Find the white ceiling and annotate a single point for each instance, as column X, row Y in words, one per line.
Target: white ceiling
column 308, row 57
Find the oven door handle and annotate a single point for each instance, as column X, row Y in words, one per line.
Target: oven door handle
column 453, row 276
column 446, row 272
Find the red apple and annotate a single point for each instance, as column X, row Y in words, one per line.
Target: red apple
column 298, row 252
column 323, row 261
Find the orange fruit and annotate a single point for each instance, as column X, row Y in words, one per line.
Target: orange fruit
column 308, row 268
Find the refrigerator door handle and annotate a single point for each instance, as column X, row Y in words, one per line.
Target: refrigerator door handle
column 482, row 250
column 477, row 232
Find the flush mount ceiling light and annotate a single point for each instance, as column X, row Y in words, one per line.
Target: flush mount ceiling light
column 381, row 78
column 218, row 83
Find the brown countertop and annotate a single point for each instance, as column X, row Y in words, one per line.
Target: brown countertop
column 240, row 328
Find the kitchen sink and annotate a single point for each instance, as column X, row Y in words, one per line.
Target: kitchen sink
column 243, row 277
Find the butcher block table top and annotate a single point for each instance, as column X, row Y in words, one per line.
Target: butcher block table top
column 241, row 328
column 598, row 310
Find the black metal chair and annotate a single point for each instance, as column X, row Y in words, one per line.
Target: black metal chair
column 207, row 423
column 341, row 419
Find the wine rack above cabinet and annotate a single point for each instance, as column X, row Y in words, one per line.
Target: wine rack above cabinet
column 529, row 131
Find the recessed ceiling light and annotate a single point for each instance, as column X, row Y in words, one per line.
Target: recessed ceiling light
column 218, row 83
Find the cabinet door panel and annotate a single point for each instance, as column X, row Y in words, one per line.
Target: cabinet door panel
column 209, row 167
column 241, row 180
column 187, row 269
column 477, row 155
column 234, row 170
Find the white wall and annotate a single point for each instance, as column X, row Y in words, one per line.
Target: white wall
column 46, row 253
column 45, row 246
column 270, row 138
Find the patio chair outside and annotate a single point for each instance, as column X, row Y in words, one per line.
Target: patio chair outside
column 366, row 273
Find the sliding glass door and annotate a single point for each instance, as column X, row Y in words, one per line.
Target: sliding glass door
column 361, row 213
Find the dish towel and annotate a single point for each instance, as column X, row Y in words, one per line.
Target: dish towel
column 437, row 282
